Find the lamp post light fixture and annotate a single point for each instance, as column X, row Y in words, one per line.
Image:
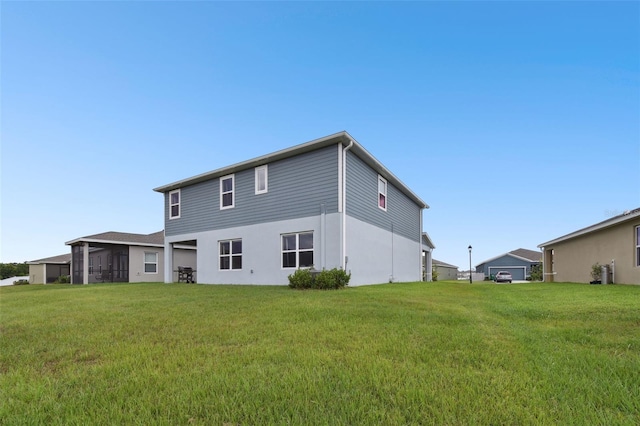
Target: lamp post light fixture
column 470, row 275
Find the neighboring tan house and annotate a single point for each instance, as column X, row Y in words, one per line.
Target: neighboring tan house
column 517, row 262
column 327, row 203
column 614, row 242
column 49, row 269
column 124, row 257
column 445, row 271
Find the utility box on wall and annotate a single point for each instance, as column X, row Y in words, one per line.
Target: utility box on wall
column 605, row 277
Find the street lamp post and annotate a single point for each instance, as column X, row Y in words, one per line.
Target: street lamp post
column 470, row 275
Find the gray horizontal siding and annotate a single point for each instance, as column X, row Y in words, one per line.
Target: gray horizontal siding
column 297, row 187
column 402, row 215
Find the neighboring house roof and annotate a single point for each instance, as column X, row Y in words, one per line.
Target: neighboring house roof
column 522, row 254
column 426, row 240
column 59, row 259
column 341, row 137
column 439, row 263
column 628, row 215
column 155, row 239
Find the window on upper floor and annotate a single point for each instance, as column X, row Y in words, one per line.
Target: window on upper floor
column 262, row 185
column 174, row 204
column 230, row 255
column 297, row 250
column 150, row 262
column 637, row 245
column 227, row 185
column 382, row 193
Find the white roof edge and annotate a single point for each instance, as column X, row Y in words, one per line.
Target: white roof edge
column 424, row 234
column 596, row 227
column 343, row 137
column 124, row 243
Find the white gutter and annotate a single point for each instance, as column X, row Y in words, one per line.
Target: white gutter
column 344, row 205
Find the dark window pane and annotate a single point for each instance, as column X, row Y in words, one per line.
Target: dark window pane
column 224, row 247
column 306, row 258
column 227, row 185
column 236, row 262
column 288, row 242
column 236, row 247
column 383, row 201
column 150, row 267
column 288, row 260
column 306, row 241
column 175, row 198
column 638, row 236
column 227, row 199
column 175, row 210
column 224, row 262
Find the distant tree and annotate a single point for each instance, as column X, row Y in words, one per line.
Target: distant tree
column 8, row 270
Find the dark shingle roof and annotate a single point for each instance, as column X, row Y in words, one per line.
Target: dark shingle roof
column 61, row 258
column 157, row 238
column 439, row 263
column 532, row 255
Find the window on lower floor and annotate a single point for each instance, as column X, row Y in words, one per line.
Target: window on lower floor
column 297, row 250
column 150, row 262
column 230, row 255
column 91, row 265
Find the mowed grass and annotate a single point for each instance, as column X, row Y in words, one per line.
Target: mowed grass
column 416, row 353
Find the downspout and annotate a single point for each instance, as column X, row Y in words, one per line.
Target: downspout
column 344, row 205
column 423, row 273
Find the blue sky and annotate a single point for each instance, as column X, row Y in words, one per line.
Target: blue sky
column 517, row 122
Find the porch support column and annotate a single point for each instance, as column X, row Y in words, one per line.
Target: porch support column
column 85, row 264
column 428, row 266
column 168, row 262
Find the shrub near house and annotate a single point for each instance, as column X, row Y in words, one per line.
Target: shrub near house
column 332, row 279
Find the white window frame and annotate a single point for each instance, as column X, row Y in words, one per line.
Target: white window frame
column 384, row 194
column 232, row 192
column 258, row 171
column 297, row 250
column 230, row 255
column 172, row 204
column 637, row 229
column 145, row 263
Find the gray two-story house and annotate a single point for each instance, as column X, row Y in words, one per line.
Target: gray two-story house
column 327, row 203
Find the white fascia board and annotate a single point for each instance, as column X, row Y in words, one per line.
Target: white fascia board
column 598, row 226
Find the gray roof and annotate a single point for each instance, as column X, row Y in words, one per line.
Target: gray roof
column 61, row 259
column 532, row 255
column 522, row 254
column 155, row 239
column 439, row 263
column 341, row 137
column 628, row 215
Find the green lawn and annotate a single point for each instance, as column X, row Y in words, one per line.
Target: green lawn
column 417, row 353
